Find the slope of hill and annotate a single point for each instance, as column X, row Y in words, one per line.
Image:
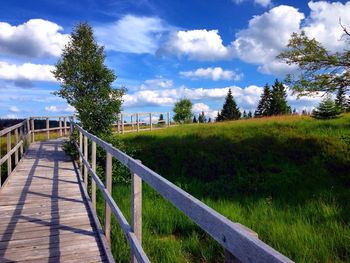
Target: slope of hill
column 287, row 178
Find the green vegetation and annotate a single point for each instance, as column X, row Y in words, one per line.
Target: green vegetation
column 183, row 111
column 287, row 178
column 86, row 82
column 327, row 109
column 230, row 110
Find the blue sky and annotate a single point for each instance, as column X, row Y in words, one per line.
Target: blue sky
column 161, row 51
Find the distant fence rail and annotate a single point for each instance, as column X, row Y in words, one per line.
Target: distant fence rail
column 141, row 121
column 240, row 243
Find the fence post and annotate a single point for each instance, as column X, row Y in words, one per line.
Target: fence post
column 150, row 120
column 47, row 129
column 9, row 160
column 118, row 123
column 122, row 120
column 28, row 129
column 137, row 122
column 33, row 134
column 60, row 126
column 168, row 116
column 132, row 122
column 81, row 150
column 71, row 125
column 109, row 189
column 136, row 208
column 93, row 166
column 16, row 141
column 86, row 158
column 65, row 125
column 21, row 135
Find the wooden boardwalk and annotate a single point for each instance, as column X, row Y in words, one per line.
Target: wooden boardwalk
column 44, row 214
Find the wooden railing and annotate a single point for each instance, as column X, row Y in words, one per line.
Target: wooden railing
column 130, row 122
column 23, row 134
column 240, row 243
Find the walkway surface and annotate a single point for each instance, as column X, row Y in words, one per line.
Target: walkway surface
column 43, row 214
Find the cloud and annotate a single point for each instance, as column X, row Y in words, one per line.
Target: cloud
column 133, row 34
column 196, row 44
column 26, row 72
column 216, row 73
column 34, row 38
column 54, row 108
column 199, row 107
column 14, row 109
column 264, row 3
column 157, row 83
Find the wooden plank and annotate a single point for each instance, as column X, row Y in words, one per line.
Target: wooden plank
column 47, row 128
column 10, row 129
column 60, row 125
column 65, row 125
column 33, row 129
column 16, row 142
column 93, row 183
column 109, row 189
column 86, row 158
column 9, row 158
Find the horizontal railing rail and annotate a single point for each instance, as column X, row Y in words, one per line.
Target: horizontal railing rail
column 238, row 241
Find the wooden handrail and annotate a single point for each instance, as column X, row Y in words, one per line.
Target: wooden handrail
column 238, row 242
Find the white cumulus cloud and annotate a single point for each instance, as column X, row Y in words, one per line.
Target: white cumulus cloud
column 200, row 107
column 26, row 72
column 132, row 34
column 65, row 109
column 216, row 73
column 34, row 38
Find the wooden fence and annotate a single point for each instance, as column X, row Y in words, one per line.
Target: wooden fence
column 240, row 244
column 19, row 136
column 135, row 122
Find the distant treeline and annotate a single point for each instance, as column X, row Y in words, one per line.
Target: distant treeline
column 39, row 124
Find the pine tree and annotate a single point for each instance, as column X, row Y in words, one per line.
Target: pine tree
column 230, row 110
column 161, row 118
column 202, row 118
column 194, row 119
column 244, row 115
column 218, row 117
column 327, row 109
column 264, row 104
column 295, row 111
column 209, row 120
column 341, row 100
column 279, row 104
column 250, row 115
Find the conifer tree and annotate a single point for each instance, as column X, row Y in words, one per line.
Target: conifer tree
column 202, row 118
column 194, row 119
column 209, row 120
column 341, row 100
column 264, row 104
column 161, row 118
column 230, row 110
column 327, row 109
column 279, row 104
column 244, row 115
column 250, row 115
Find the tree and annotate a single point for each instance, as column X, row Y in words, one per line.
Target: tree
column 279, row 104
column 230, row 110
column 194, row 119
column 327, row 109
column 244, row 115
column 209, row 120
column 250, row 115
column 202, row 118
column 86, row 82
column 320, row 69
column 161, row 119
column 183, row 113
column 264, row 104
column 341, row 100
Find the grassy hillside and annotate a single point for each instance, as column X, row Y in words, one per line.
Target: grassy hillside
column 287, row 178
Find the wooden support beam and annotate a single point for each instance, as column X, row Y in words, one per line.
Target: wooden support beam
column 122, row 120
column 60, row 125
column 132, row 122
column 22, row 137
column 33, row 129
column 168, row 117
column 16, row 141
column 137, row 122
column 28, row 128
column 150, row 120
column 47, row 128
column 86, row 158
column 9, row 160
column 65, row 125
column 81, row 149
column 109, row 189
column 93, row 166
column 136, row 208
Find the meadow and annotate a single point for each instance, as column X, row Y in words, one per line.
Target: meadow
column 286, row 178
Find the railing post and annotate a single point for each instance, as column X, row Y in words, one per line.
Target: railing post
column 21, row 136
column 60, row 125
column 109, row 189
column 168, row 117
column 137, row 122
column 81, row 150
column 93, row 166
column 33, row 134
column 47, row 129
column 28, row 129
column 86, row 158
column 118, row 123
column 132, row 122
column 16, row 142
column 71, row 125
column 65, row 125
column 150, row 120
column 136, row 208
column 122, row 120
column 9, row 160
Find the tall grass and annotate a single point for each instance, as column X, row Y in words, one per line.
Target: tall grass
column 287, row 178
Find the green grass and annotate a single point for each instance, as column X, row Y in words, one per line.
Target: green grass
column 287, row 178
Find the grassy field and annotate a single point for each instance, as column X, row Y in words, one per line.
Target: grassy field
column 287, row 178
